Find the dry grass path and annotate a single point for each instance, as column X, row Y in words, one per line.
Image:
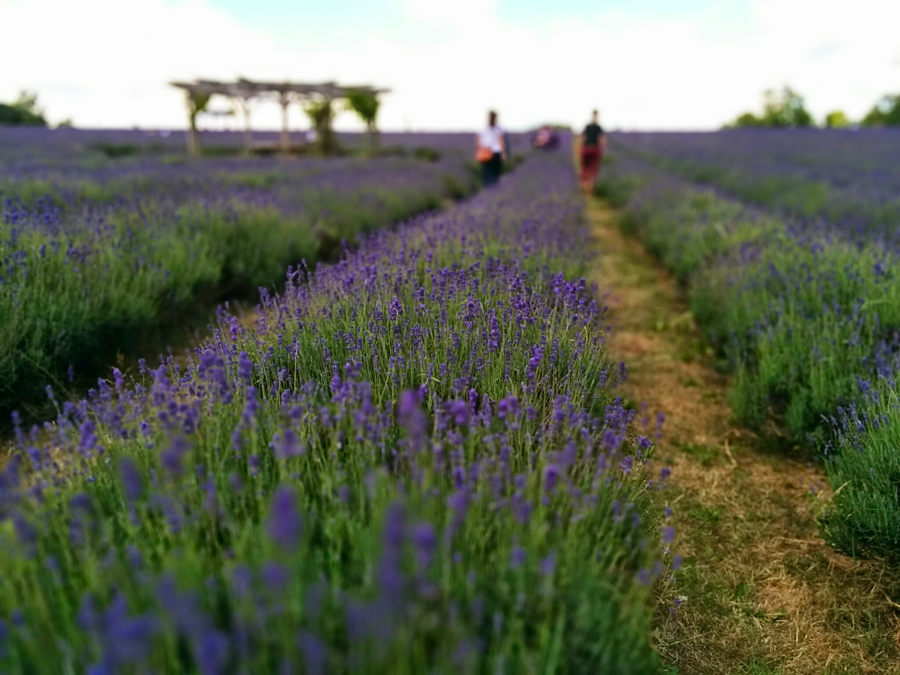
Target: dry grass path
column 764, row 593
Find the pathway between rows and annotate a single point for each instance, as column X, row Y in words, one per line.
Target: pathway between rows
column 764, row 593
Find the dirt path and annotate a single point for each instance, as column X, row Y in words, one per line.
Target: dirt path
column 764, row 594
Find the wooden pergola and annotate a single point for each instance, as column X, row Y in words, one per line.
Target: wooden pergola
column 243, row 91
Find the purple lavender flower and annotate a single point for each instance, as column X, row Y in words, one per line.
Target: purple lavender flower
column 517, row 557
column 287, row 444
column 132, row 480
column 551, row 478
column 424, row 541
column 668, row 535
column 314, row 652
column 212, row 653
column 548, row 564
column 245, row 368
column 275, row 577
column 284, row 518
column 411, row 416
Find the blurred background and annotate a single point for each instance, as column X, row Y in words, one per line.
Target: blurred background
column 647, row 64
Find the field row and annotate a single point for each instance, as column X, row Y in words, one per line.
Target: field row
column 412, row 462
column 804, row 310
column 91, row 258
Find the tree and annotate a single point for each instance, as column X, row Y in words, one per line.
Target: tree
column 748, row 119
column 197, row 102
column 366, row 105
column 28, row 103
column 885, row 113
column 321, row 114
column 783, row 109
column 836, row 120
column 24, row 111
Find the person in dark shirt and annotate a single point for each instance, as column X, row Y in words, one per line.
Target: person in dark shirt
column 593, row 145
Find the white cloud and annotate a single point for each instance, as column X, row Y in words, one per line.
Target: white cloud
column 106, row 62
column 471, row 13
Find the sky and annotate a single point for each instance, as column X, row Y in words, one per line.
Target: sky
column 646, row 64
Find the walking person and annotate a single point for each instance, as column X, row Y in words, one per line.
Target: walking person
column 491, row 151
column 593, row 145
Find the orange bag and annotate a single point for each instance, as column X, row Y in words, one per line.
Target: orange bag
column 483, row 155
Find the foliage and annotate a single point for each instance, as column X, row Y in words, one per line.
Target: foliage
column 321, row 115
column 747, row 119
column 885, row 113
column 836, row 120
column 366, row 105
column 198, row 102
column 24, row 111
column 116, row 150
column 781, row 109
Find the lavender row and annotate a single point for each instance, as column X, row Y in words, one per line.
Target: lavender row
column 807, row 314
column 86, row 265
column 851, row 178
column 413, row 461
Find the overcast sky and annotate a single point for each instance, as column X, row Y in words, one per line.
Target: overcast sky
column 647, row 64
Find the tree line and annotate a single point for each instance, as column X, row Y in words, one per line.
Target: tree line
column 786, row 109
column 23, row 111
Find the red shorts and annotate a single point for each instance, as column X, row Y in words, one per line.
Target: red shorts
column 590, row 161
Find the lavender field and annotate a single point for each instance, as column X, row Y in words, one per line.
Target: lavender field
column 95, row 250
column 788, row 244
column 412, row 460
column 421, row 452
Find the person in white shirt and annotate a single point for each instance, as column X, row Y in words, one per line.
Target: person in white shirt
column 491, row 151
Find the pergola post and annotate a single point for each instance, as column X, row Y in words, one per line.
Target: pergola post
column 192, row 137
column 284, row 99
column 248, row 132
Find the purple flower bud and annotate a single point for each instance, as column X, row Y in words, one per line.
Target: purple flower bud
column 551, row 478
column 287, row 444
column 274, row 576
column 548, row 564
column 668, row 534
column 245, row 368
column 516, row 557
column 425, row 542
column 411, row 417
column 284, row 518
column 212, row 653
column 315, row 654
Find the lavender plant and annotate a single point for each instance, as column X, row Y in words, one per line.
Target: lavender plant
column 411, row 462
column 107, row 253
column 806, row 313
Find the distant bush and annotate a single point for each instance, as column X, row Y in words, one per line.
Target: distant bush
column 115, row 150
column 393, row 151
column 425, row 153
column 836, row 120
column 885, row 113
column 14, row 115
column 24, row 111
column 781, row 109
